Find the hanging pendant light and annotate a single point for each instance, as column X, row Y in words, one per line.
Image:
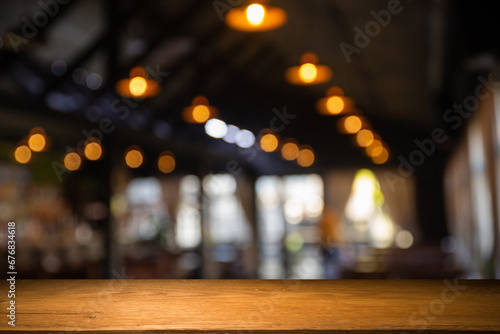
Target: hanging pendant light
column 256, row 17
column 199, row 111
column 138, row 85
column 309, row 72
column 335, row 102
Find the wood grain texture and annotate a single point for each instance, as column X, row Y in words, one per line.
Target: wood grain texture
column 254, row 306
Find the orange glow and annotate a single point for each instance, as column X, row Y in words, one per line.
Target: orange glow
column 364, row 138
column 256, row 17
column 382, row 157
column 166, row 162
column 352, row 124
column 309, row 72
column 375, row 148
column 199, row 111
column 201, row 114
column 138, row 86
column 269, row 142
column 305, row 157
column 335, row 105
column 72, row 161
column 137, row 72
column 22, row 154
column 290, row 151
column 134, row 158
column 37, row 142
column 93, row 151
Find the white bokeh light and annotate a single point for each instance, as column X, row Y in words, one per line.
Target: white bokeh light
column 215, row 128
column 245, row 139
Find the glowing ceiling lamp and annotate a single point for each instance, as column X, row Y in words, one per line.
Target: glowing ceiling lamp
column 256, row 17
column 138, row 85
column 335, row 102
column 309, row 72
column 199, row 111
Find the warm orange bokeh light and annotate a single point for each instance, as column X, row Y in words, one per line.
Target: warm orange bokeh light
column 166, row 162
column 134, row 158
column 256, row 17
column 305, row 157
column 364, row 138
column 290, row 151
column 201, row 114
column 138, row 86
column 308, row 72
column 335, row 105
column 382, row 157
column 255, row 14
column 93, row 151
column 375, row 148
column 269, row 142
column 22, row 154
column 72, row 161
column 37, row 142
column 352, row 124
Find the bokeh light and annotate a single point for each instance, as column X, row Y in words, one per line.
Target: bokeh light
column 364, row 138
column 305, row 157
column 37, row 142
column 335, row 105
column 22, row 154
column 269, row 142
column 375, row 148
column 352, row 124
column 244, row 139
column 215, row 128
column 201, row 114
column 289, row 151
column 138, row 86
column 308, row 72
column 134, row 158
column 72, row 161
column 382, row 157
column 93, row 151
column 255, row 14
column 166, row 162
column 404, row 239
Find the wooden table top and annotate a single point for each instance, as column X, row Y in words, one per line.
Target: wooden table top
column 254, row 306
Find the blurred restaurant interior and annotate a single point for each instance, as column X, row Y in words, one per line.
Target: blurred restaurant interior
column 314, row 139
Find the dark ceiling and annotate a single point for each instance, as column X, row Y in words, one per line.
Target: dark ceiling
column 402, row 81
